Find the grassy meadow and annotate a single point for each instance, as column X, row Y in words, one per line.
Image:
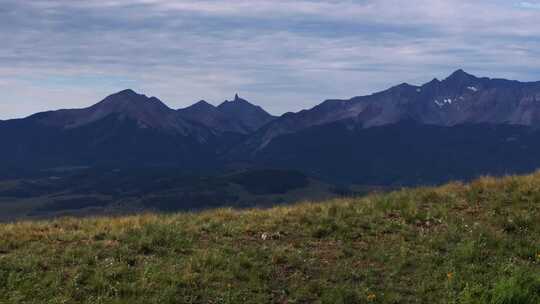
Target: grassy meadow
column 458, row 243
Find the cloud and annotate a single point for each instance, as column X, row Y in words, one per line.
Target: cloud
column 530, row 5
column 282, row 54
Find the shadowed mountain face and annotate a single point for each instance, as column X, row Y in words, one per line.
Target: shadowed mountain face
column 125, row 128
column 405, row 153
column 456, row 128
column 459, row 99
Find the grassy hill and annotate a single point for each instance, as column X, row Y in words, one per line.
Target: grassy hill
column 459, row 243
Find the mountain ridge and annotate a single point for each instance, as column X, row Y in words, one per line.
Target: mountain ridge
column 136, row 130
column 460, row 98
column 458, row 80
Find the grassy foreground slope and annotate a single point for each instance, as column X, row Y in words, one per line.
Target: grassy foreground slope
column 460, row 243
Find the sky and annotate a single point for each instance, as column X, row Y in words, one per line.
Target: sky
column 283, row 55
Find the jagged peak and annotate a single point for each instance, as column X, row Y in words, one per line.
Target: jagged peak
column 236, row 101
column 239, row 99
column 240, row 105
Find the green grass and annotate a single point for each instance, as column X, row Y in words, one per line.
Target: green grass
column 460, row 243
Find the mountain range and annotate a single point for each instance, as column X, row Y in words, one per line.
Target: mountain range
column 455, row 128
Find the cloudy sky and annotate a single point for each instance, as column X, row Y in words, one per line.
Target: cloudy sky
column 284, row 55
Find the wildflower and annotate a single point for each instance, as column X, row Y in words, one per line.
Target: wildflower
column 450, row 275
column 371, row 297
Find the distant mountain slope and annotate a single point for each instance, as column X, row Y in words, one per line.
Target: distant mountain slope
column 124, row 128
column 115, row 140
column 405, row 153
column 147, row 111
column 459, row 99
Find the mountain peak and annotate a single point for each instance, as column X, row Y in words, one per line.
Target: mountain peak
column 460, row 74
column 200, row 106
column 238, row 99
column 237, row 103
column 129, row 96
column 459, row 80
column 203, row 103
column 404, row 86
column 128, row 99
column 124, row 97
column 148, row 110
column 127, row 93
column 250, row 115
